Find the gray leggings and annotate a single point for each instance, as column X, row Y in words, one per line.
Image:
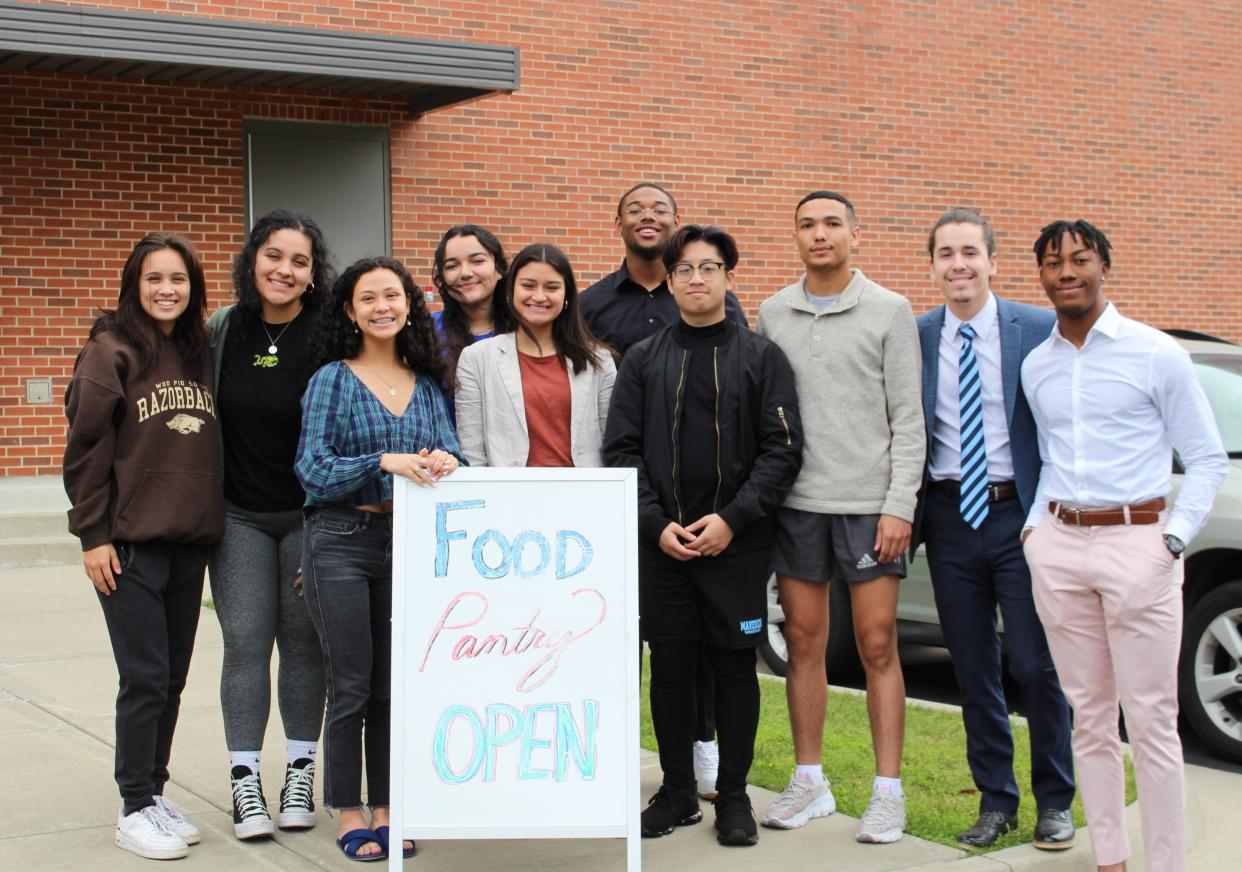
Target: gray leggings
column 252, row 573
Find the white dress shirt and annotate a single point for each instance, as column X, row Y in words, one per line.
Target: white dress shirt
column 1109, row 416
column 946, row 447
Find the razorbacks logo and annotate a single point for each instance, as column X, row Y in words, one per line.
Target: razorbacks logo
column 185, row 424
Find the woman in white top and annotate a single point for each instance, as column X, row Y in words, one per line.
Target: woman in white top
column 537, row 396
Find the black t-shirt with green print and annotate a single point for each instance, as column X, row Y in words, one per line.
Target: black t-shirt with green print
column 259, row 397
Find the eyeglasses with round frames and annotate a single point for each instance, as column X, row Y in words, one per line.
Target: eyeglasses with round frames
column 707, row 269
column 656, row 212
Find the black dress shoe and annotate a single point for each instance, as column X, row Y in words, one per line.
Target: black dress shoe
column 1054, row 831
column 990, row 826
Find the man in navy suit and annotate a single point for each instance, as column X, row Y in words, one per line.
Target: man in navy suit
column 983, row 466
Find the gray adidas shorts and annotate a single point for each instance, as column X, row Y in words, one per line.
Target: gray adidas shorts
column 815, row 547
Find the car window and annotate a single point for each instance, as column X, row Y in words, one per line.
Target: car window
column 1221, row 377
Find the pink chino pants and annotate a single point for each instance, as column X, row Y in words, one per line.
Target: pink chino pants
column 1110, row 599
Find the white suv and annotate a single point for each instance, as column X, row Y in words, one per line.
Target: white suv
column 1210, row 672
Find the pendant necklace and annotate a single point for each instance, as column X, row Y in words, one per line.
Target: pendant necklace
column 271, row 349
column 392, row 389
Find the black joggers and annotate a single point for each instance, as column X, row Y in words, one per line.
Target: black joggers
column 152, row 617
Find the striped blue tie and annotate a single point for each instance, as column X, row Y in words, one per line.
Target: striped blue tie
column 974, row 498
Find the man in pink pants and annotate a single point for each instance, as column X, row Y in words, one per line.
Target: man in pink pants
column 1112, row 398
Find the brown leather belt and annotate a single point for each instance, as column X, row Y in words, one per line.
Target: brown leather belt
column 1111, row 516
column 1005, row 490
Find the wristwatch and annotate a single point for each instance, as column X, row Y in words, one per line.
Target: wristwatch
column 1176, row 546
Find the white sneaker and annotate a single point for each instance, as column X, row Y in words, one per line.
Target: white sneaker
column 174, row 820
column 801, row 801
column 884, row 819
column 145, row 834
column 706, row 765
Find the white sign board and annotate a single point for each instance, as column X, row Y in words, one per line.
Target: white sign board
column 515, row 656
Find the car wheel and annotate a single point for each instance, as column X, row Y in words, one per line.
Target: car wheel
column 1210, row 670
column 841, row 658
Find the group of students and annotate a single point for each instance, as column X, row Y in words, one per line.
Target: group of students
column 264, row 442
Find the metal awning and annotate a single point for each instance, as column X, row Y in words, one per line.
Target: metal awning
column 427, row 74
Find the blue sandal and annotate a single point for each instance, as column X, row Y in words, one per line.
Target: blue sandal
column 351, row 842
column 406, row 853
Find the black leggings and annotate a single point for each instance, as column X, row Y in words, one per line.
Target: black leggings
column 674, row 711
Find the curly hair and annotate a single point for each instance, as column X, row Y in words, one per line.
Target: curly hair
column 249, row 301
column 417, row 345
column 137, row 328
column 457, row 333
column 570, row 334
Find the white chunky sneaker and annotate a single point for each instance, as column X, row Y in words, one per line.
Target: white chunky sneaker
column 177, row 822
column 706, row 765
column 801, row 801
column 144, row 833
column 297, row 805
column 884, row 819
column 250, row 816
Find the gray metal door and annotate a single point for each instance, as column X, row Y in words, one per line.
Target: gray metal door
column 338, row 174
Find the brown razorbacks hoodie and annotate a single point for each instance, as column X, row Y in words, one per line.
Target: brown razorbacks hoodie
column 142, row 461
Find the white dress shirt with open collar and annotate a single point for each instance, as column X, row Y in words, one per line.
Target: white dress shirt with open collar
column 1110, row 415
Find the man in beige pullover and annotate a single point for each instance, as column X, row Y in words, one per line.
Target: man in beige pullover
column 855, row 353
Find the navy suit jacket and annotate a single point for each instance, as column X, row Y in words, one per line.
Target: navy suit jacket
column 1022, row 327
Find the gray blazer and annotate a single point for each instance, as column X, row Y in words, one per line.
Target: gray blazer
column 491, row 414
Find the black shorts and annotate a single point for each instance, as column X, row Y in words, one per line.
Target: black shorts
column 814, row 547
column 722, row 600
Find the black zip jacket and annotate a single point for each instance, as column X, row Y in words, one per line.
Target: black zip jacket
column 759, row 449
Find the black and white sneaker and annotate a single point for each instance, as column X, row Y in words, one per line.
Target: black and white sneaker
column 297, row 804
column 667, row 810
column 250, row 817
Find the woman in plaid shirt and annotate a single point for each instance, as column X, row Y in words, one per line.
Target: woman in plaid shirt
column 372, row 410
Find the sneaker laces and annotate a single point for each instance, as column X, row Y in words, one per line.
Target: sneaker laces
column 169, row 811
column 884, row 805
column 792, row 796
column 738, row 803
column 248, row 797
column 153, row 817
column 299, row 787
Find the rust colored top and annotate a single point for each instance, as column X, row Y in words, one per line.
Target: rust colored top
column 545, row 393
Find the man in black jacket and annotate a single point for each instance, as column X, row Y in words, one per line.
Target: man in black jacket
column 707, row 413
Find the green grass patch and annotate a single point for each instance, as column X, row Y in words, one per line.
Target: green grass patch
column 941, row 799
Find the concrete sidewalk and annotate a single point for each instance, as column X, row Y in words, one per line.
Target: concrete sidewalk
column 58, row 808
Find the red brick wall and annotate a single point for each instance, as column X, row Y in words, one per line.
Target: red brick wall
column 1119, row 111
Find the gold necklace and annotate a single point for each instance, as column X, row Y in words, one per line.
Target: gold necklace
column 392, row 389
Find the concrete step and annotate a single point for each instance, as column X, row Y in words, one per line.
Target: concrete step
column 33, row 493
column 39, row 551
column 27, row 525
column 33, row 526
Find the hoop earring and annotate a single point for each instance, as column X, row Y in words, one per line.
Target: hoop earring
column 310, row 288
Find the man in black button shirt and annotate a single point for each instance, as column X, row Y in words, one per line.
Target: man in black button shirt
column 706, row 411
column 632, row 303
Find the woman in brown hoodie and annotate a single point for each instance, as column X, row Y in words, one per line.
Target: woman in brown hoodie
column 142, row 469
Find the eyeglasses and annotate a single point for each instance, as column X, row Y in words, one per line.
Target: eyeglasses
column 707, row 269
column 639, row 211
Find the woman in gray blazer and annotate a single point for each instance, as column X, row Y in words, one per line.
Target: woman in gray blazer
column 537, row 396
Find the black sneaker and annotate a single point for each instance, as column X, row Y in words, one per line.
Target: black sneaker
column 297, row 807
column 735, row 821
column 667, row 810
column 250, row 817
